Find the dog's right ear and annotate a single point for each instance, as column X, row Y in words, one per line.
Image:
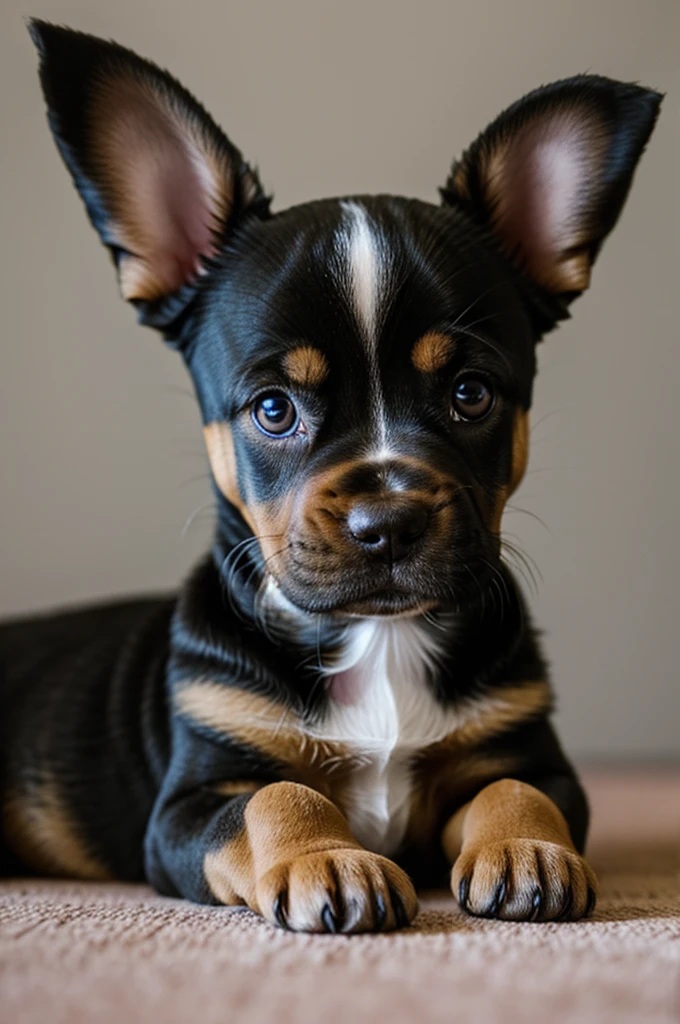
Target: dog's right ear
column 162, row 184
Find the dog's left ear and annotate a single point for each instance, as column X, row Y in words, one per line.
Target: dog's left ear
column 550, row 175
column 162, row 184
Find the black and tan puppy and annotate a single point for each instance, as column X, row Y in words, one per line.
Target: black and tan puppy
column 349, row 687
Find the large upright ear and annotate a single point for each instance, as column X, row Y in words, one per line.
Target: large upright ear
column 550, row 175
column 162, row 184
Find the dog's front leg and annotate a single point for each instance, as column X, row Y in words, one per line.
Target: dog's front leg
column 284, row 850
column 513, row 856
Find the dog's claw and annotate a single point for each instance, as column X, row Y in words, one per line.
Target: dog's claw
column 380, row 912
column 499, row 897
column 463, row 891
column 279, row 911
column 536, row 905
column 329, row 920
column 567, row 905
column 400, row 915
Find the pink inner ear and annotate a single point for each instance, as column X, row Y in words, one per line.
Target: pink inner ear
column 542, row 186
column 164, row 185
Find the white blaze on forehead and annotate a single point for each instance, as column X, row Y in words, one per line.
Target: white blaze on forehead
column 365, row 262
column 365, row 265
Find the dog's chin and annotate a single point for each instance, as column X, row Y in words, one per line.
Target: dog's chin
column 392, row 603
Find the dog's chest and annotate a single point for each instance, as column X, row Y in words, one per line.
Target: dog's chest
column 382, row 712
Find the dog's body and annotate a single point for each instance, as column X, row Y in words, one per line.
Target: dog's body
column 351, row 675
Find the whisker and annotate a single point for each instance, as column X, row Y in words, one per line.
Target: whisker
column 547, row 416
column 474, row 302
column 230, row 567
column 489, row 344
column 195, row 514
column 194, row 480
column 177, row 389
column 525, row 512
column 523, row 563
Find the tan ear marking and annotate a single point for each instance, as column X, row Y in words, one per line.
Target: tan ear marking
column 306, row 366
column 432, row 352
column 153, row 161
column 541, row 208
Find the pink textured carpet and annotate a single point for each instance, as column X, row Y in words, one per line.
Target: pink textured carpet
column 72, row 953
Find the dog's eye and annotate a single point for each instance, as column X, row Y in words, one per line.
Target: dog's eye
column 276, row 415
column 472, row 398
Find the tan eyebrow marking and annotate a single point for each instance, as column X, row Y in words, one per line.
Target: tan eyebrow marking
column 432, row 352
column 306, row 366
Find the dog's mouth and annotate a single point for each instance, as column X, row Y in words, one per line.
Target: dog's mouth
column 384, row 602
column 416, row 587
column 387, row 601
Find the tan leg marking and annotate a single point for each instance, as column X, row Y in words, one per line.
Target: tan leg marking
column 297, row 863
column 514, row 858
column 432, row 352
column 306, row 366
column 445, row 773
column 44, row 835
column 445, row 781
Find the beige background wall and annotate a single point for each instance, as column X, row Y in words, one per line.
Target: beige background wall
column 101, row 462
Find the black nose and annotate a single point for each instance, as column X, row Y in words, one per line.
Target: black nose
column 387, row 532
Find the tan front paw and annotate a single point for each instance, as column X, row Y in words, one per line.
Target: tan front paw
column 524, row 880
column 346, row 890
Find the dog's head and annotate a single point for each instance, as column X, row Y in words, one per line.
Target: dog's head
column 364, row 366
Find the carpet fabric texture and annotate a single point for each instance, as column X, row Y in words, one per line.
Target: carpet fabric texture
column 74, row 953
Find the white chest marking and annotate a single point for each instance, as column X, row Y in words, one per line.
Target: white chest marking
column 382, row 710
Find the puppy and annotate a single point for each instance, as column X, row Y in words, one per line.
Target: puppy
column 347, row 697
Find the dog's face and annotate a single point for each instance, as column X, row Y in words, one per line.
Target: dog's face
column 368, row 413
column 364, row 366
